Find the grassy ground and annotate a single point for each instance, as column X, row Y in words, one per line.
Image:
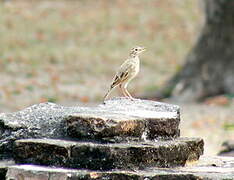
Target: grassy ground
column 69, row 50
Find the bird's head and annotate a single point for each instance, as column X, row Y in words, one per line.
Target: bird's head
column 136, row 51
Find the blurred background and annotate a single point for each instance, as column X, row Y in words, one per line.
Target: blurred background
column 68, row 51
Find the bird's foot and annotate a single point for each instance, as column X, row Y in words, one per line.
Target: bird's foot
column 130, row 97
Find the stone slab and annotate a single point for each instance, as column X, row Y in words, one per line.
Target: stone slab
column 4, row 164
column 48, row 120
column 105, row 156
column 126, row 119
column 207, row 168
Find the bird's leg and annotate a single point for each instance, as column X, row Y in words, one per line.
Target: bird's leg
column 127, row 93
column 122, row 90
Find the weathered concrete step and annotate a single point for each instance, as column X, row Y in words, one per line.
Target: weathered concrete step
column 207, row 168
column 131, row 155
column 126, row 119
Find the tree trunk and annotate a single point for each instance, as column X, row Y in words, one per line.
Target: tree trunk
column 209, row 67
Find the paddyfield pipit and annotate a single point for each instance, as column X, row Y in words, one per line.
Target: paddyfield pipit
column 127, row 71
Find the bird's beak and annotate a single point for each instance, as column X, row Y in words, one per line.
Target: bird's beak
column 143, row 49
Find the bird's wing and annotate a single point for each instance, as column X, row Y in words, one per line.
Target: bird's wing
column 122, row 74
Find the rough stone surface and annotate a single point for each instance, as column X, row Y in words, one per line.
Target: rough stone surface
column 105, row 156
column 125, row 119
column 209, row 168
column 48, row 120
column 4, row 166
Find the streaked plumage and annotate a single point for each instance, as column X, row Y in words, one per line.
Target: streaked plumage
column 127, row 71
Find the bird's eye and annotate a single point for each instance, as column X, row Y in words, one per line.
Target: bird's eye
column 136, row 49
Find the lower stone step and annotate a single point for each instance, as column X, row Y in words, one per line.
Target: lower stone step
column 208, row 168
column 96, row 156
column 4, row 164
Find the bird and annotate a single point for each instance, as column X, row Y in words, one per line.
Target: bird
column 127, row 71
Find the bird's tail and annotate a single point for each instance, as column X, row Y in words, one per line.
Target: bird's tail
column 107, row 94
column 113, row 85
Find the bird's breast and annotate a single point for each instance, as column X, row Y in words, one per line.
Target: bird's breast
column 135, row 68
